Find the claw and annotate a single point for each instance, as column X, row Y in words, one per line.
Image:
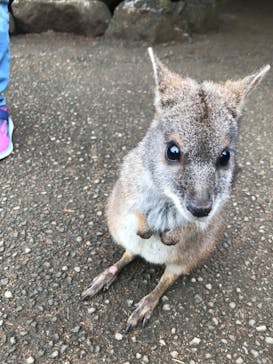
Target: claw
column 127, row 328
column 145, row 320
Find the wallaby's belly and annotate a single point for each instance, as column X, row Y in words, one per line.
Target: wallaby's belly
column 152, row 250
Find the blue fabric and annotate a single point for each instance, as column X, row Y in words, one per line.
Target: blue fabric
column 4, row 49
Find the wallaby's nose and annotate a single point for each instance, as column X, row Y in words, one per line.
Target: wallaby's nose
column 199, row 208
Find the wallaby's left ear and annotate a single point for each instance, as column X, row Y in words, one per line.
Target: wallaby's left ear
column 167, row 83
column 241, row 88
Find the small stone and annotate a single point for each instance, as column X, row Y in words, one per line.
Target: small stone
column 4, row 281
column 54, row 354
column 118, row 336
column 166, row 307
column 162, row 342
column 138, row 356
column 239, row 360
column 129, row 303
column 76, row 329
column 195, row 341
column 77, row 269
column 254, row 353
column 8, row 294
column 12, row 340
column 232, row 305
column 251, row 322
column 209, row 286
column 145, row 359
column 27, row 250
column 91, row 310
column 261, row 328
column 269, row 340
column 30, row 360
column 215, row 321
column 174, row 354
column 198, row 298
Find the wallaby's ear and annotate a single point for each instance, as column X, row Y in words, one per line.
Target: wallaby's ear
column 167, row 82
column 241, row 88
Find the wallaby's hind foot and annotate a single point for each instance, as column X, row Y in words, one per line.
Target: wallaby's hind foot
column 104, row 280
column 147, row 304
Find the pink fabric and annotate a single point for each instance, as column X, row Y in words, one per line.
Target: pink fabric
column 4, row 138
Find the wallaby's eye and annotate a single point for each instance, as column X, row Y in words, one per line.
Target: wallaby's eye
column 173, row 152
column 224, row 158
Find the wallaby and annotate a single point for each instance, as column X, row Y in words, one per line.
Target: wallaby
column 167, row 203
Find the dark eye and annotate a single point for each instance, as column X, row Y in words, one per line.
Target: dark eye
column 173, row 152
column 224, row 158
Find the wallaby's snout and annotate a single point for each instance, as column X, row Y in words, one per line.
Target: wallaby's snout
column 199, row 207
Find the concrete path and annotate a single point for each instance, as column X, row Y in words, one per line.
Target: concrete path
column 79, row 105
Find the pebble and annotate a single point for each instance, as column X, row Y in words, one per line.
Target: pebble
column 251, row 322
column 27, row 250
column 91, row 310
column 145, row 359
column 54, row 354
column 30, row 360
column 232, row 305
column 118, row 336
column 254, row 353
column 8, row 294
column 198, row 298
column 209, row 286
column 261, row 328
column 269, row 340
column 174, row 354
column 166, row 307
column 4, row 281
column 239, row 360
column 77, row 269
column 138, row 356
column 195, row 341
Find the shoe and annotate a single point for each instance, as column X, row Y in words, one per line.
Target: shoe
column 6, row 130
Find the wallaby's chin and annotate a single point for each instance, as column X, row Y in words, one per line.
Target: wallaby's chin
column 187, row 215
column 202, row 221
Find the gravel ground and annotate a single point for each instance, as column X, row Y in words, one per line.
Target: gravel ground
column 78, row 106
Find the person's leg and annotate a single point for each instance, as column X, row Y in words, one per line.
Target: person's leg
column 6, row 125
column 4, row 49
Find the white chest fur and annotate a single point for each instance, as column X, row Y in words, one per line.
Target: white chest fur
column 152, row 250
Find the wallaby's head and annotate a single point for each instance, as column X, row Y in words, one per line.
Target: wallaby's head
column 191, row 144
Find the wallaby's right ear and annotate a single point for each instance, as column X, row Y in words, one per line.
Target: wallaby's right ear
column 167, row 83
column 241, row 88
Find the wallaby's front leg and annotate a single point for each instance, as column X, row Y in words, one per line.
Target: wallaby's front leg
column 143, row 229
column 147, row 304
column 107, row 277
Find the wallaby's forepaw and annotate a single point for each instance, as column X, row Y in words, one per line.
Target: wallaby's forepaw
column 145, row 234
column 143, row 312
column 102, row 281
column 169, row 238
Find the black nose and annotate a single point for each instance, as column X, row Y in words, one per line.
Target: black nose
column 199, row 208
